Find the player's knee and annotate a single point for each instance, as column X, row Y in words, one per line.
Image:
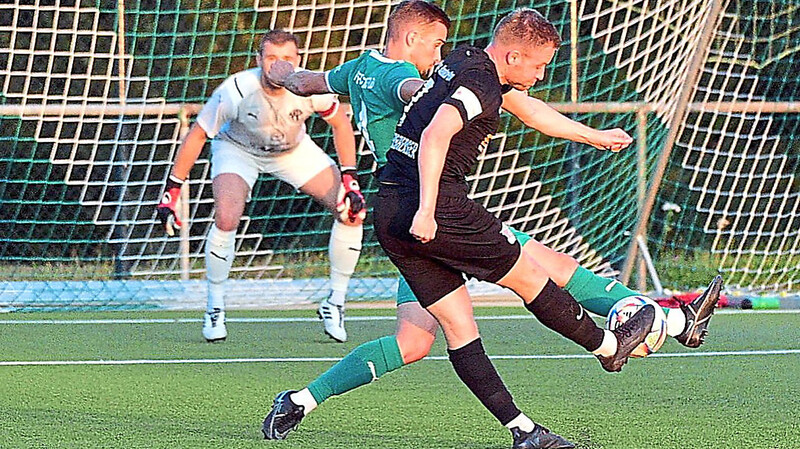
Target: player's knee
column 414, row 347
column 460, row 332
column 560, row 267
column 357, row 221
column 525, row 277
column 565, row 268
column 226, row 222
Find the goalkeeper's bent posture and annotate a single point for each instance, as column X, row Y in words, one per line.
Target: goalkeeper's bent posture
column 377, row 110
column 258, row 127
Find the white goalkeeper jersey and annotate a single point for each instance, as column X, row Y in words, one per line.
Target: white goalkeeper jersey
column 241, row 112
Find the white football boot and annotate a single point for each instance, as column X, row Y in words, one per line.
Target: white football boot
column 333, row 318
column 214, row 326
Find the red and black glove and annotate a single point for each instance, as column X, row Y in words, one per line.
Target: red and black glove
column 170, row 204
column 351, row 204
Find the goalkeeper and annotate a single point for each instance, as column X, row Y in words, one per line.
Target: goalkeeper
column 258, row 127
column 380, row 85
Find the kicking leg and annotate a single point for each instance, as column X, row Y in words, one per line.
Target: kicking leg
column 598, row 294
column 595, row 293
column 559, row 311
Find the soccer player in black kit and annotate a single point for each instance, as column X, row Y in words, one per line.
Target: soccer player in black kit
column 436, row 235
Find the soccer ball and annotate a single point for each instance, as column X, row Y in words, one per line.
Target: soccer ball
column 626, row 308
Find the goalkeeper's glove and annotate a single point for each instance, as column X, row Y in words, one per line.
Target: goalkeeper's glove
column 351, row 204
column 167, row 210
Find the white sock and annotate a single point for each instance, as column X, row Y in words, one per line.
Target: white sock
column 523, row 422
column 304, row 398
column 676, row 322
column 344, row 248
column 337, row 297
column 219, row 259
column 216, row 296
column 609, row 345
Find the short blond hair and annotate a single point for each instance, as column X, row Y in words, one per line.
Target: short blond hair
column 528, row 27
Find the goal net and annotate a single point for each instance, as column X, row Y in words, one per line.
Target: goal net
column 96, row 95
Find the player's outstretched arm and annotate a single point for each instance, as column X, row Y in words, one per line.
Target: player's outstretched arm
column 538, row 115
column 188, row 153
column 433, row 145
column 302, row 82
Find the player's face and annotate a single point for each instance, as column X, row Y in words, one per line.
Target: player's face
column 528, row 68
column 270, row 53
column 427, row 47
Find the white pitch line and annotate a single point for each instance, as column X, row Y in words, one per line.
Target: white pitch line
column 336, row 359
column 313, row 320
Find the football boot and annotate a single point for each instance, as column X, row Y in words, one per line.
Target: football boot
column 540, row 437
column 698, row 314
column 332, row 317
column 214, row 326
column 284, row 417
column 629, row 335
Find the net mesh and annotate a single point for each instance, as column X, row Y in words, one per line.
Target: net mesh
column 92, row 120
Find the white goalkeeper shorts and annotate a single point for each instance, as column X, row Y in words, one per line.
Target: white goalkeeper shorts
column 296, row 167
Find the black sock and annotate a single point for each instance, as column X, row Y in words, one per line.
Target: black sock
column 558, row 310
column 479, row 375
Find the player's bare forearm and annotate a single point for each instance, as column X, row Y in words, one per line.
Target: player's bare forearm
column 434, row 143
column 430, row 163
column 343, row 138
column 305, row 83
column 432, row 153
column 302, row 82
column 540, row 116
column 189, row 151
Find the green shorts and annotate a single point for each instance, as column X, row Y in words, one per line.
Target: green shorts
column 404, row 293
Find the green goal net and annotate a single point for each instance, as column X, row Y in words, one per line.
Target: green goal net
column 96, row 95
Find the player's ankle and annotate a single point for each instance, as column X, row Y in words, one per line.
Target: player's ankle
column 305, row 399
column 609, row 345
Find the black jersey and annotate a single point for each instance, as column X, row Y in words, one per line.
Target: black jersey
column 467, row 79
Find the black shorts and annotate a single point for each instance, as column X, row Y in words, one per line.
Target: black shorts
column 469, row 242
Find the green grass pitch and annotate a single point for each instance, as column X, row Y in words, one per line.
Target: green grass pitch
column 717, row 400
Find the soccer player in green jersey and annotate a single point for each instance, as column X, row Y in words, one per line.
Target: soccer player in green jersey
column 379, row 86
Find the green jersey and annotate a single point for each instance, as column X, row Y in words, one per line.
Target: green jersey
column 373, row 83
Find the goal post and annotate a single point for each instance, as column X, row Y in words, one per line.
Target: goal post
column 85, row 156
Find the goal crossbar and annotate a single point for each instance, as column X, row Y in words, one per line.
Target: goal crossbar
column 50, row 110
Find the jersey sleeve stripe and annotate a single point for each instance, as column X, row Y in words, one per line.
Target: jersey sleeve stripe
column 328, row 84
column 472, row 106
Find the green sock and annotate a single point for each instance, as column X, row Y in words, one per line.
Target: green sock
column 596, row 293
column 364, row 364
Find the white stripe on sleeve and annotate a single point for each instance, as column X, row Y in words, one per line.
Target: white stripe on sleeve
column 470, row 101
